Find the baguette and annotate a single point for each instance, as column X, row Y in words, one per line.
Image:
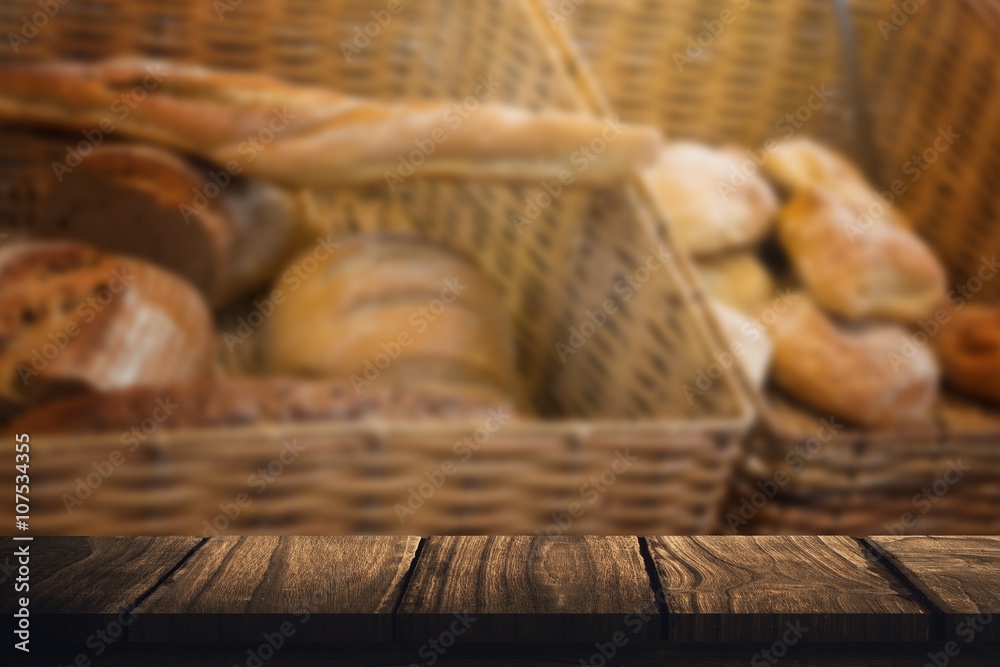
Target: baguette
column 298, row 135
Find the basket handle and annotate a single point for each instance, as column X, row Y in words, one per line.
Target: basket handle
column 862, row 137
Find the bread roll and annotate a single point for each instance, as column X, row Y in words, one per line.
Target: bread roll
column 391, row 308
column 739, row 280
column 712, row 206
column 968, row 344
column 73, row 319
column 804, row 164
column 246, row 402
column 860, row 375
column 225, row 234
column 307, row 136
column 746, row 340
column 859, row 269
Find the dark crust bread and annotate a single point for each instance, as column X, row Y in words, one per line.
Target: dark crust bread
column 245, row 401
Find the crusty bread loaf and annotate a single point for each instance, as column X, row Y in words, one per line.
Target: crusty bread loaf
column 739, row 280
column 298, row 135
column 712, row 206
column 73, row 319
column 391, row 307
column 859, row 375
column 968, row 345
column 245, row 402
column 859, row 269
column 226, row 234
column 746, row 340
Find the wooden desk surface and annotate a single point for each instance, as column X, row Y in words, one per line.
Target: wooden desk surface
column 635, row 596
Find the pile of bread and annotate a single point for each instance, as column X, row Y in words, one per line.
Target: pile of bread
column 115, row 303
column 822, row 289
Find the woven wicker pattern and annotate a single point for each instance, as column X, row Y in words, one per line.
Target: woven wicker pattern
column 727, row 72
column 621, row 389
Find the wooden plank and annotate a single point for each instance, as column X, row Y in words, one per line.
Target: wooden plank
column 794, row 589
column 529, row 589
column 645, row 654
column 83, row 585
column 305, row 589
column 959, row 575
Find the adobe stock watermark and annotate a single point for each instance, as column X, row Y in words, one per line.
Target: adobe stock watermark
column 135, row 436
column 86, row 312
column 751, row 333
column 625, row 289
column 915, row 168
column 33, row 24
column 928, row 496
column 559, row 12
column 797, row 459
column 452, row 119
column 794, row 633
column 120, row 109
column 259, row 481
column 364, row 34
column 462, row 450
column 698, row 45
column 912, row 344
column 785, row 128
column 901, row 14
column 967, row 629
column 634, row 623
column 434, row 649
column 549, row 191
column 248, row 150
column 590, row 492
column 419, row 322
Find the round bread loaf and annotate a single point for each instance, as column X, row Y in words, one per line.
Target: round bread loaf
column 391, row 308
column 968, row 344
column 859, row 268
column 860, row 375
column 225, row 234
column 73, row 319
column 245, row 401
column 712, row 205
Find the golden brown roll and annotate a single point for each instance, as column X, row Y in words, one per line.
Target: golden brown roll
column 134, row 413
column 73, row 319
column 859, row 269
column 711, row 204
column 861, row 375
column 968, row 345
column 394, row 308
column 226, row 234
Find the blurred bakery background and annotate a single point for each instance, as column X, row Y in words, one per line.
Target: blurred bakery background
column 502, row 267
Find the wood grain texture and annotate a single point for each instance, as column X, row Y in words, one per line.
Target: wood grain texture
column 959, row 575
column 749, row 589
column 81, row 585
column 307, row 589
column 529, row 589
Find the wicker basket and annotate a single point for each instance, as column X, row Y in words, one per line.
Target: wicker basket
column 618, row 396
column 729, row 78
